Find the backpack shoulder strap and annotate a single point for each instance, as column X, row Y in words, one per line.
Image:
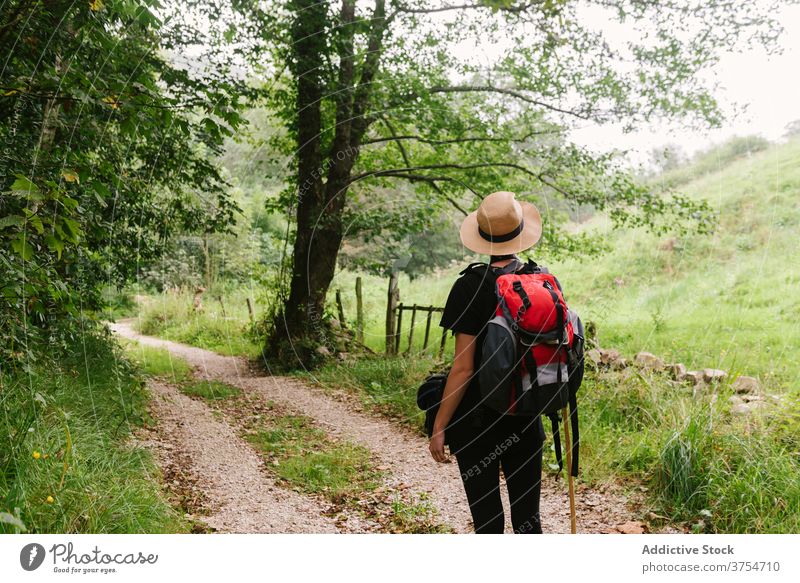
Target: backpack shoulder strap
column 479, row 266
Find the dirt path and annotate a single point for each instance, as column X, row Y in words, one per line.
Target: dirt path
column 237, row 495
column 404, row 454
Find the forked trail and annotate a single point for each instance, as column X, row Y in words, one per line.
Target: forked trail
column 231, row 468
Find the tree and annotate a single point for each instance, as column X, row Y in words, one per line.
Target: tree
column 105, row 144
column 375, row 93
column 668, row 157
column 792, row 129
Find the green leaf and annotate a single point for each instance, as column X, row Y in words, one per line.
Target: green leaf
column 11, row 221
column 36, row 222
column 54, row 244
column 101, row 193
column 7, row 518
column 72, row 229
column 23, row 248
column 23, row 184
column 24, row 187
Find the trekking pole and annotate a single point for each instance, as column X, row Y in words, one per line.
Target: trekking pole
column 572, row 519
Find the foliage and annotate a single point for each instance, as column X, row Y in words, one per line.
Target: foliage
column 382, row 250
column 67, row 464
column 375, row 96
column 105, row 138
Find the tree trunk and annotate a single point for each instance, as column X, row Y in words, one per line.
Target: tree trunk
column 306, row 301
column 320, row 205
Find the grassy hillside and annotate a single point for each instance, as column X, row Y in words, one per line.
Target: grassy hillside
column 729, row 300
column 725, row 300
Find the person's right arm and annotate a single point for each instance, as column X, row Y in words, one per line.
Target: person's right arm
column 457, row 383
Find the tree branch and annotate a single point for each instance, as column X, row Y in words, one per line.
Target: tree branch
column 402, row 172
column 400, row 9
column 512, row 92
column 429, row 179
column 465, row 139
column 407, row 162
column 368, row 71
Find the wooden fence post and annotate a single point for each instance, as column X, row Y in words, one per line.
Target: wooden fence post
column 250, row 311
column 339, row 307
column 411, row 328
column 391, row 304
column 359, row 312
column 441, row 344
column 427, row 329
column 399, row 328
column 224, row 315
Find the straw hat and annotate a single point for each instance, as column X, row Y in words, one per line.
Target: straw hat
column 501, row 225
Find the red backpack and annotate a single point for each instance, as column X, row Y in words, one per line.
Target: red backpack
column 532, row 354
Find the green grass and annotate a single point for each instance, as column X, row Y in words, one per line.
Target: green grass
column 209, row 390
column 386, row 385
column 304, row 456
column 157, row 362
column 702, row 465
column 171, row 315
column 76, row 415
column 725, row 300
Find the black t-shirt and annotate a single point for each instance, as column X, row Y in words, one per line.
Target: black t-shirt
column 471, row 304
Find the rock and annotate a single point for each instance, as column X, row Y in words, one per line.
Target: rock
column 734, row 400
column 335, row 324
column 594, row 356
column 744, row 384
column 632, row 527
column 649, row 360
column 621, row 363
column 344, row 356
column 758, row 405
column 609, row 356
column 751, row 398
column 740, row 410
column 713, row 375
column 323, row 351
column 677, row 371
column 693, row 377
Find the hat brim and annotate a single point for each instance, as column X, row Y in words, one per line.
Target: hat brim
column 527, row 238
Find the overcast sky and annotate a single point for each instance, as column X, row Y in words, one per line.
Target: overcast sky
column 769, row 86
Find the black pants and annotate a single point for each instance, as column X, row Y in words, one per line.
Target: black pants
column 515, row 444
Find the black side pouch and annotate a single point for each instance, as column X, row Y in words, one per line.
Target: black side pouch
column 429, row 397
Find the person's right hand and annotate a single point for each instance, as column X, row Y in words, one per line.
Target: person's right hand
column 437, row 447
